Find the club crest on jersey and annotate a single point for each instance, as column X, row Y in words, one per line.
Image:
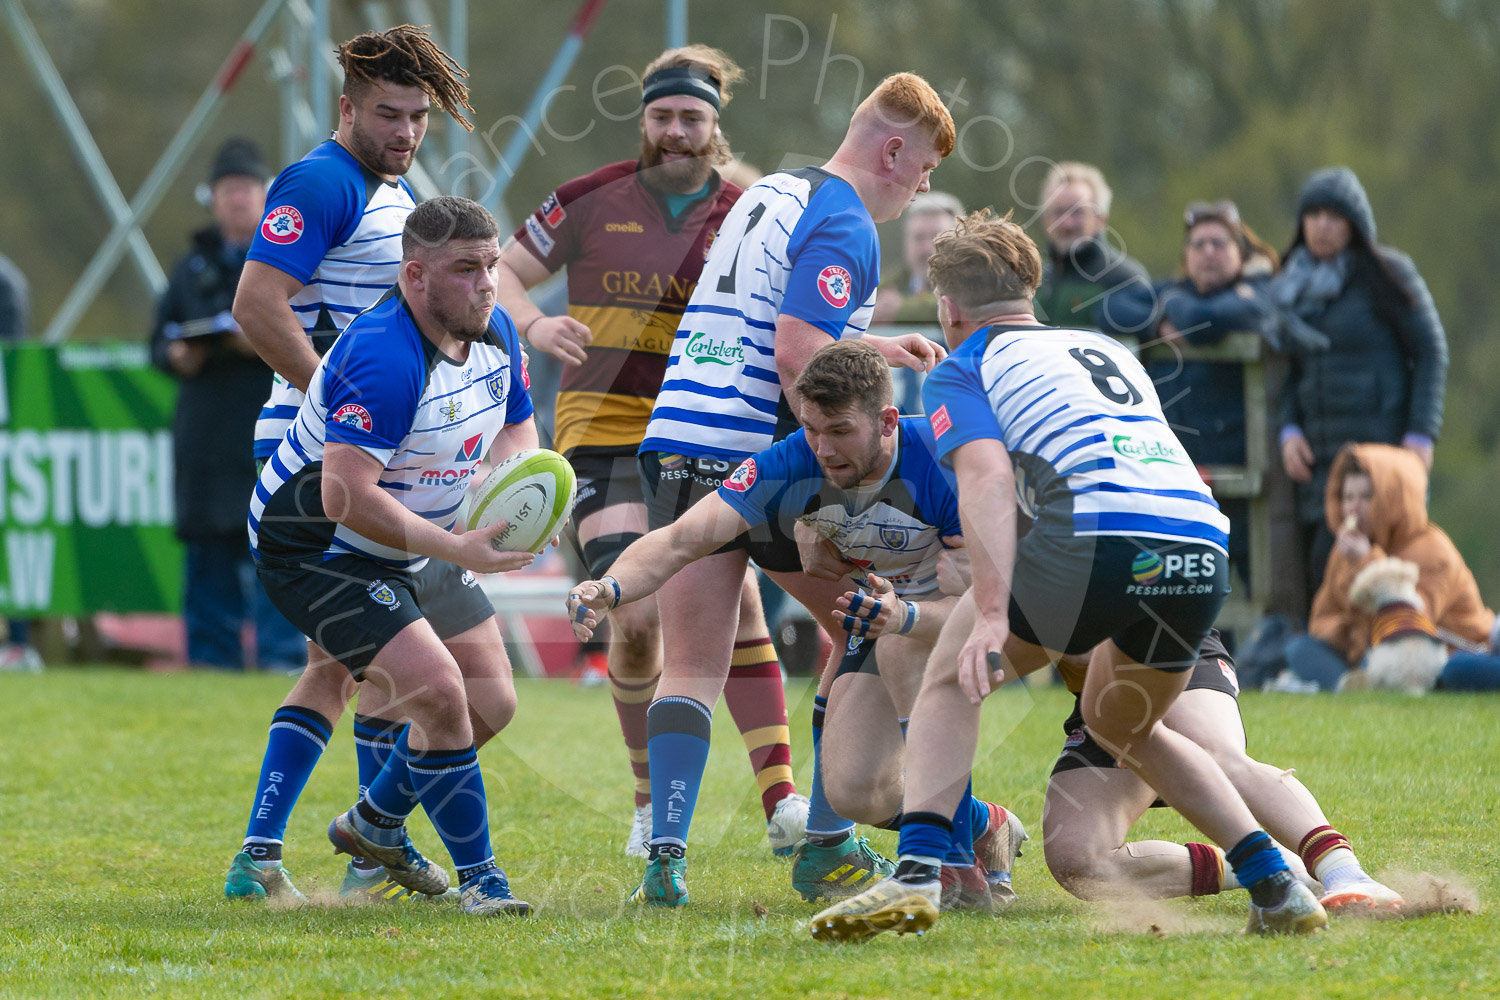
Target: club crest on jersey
column 835, row 285
column 283, row 225
column 496, row 385
column 743, row 478
column 855, row 641
column 941, row 422
column 354, row 415
column 382, row 594
column 552, row 211
column 470, row 452
column 894, row 538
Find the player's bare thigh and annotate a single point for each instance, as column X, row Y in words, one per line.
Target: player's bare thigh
column 699, row 609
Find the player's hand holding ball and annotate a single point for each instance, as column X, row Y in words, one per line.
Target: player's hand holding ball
column 477, row 551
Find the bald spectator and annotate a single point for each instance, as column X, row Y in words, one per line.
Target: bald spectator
column 1081, row 266
column 905, row 295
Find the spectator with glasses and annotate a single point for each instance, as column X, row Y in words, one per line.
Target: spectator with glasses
column 1220, row 288
column 1080, row 266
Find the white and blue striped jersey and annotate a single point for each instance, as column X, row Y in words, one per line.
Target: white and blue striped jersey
column 428, row 419
column 894, row 528
column 798, row 242
column 336, row 227
column 1092, row 453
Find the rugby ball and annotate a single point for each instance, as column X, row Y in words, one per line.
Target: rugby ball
column 532, row 491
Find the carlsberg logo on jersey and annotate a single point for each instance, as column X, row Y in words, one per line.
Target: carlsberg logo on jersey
column 1147, row 451
column 704, row 349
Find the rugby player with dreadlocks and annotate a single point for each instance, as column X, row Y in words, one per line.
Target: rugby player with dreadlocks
column 328, row 248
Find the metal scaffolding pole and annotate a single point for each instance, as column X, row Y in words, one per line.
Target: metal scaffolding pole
column 108, row 255
column 83, row 144
column 459, row 155
column 677, row 24
column 525, row 133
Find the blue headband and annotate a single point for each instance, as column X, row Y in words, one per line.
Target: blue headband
column 680, row 80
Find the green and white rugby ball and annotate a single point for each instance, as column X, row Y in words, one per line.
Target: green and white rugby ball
column 533, row 492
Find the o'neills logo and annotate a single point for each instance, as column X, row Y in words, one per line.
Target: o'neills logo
column 624, row 227
column 1147, row 451
column 703, row 349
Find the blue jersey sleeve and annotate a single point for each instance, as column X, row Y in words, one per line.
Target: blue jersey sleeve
column 835, row 261
column 936, row 492
column 518, row 406
column 769, row 482
column 371, row 391
column 958, row 408
column 311, row 208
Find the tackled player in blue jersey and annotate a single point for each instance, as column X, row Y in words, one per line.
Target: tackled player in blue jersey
column 1122, row 555
column 794, row 266
column 866, row 481
column 327, row 249
column 352, row 525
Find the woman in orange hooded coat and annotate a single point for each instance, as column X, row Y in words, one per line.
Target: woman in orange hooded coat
column 1376, row 506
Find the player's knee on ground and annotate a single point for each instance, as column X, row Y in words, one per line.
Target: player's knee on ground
column 1083, row 871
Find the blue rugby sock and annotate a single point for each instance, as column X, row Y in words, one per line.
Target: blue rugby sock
column 1257, row 863
column 925, row 839
column 451, row 788
column 824, row 826
column 678, row 731
column 374, row 739
column 374, row 742
column 960, row 852
column 297, row 739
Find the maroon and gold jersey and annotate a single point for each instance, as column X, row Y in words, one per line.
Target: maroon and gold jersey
column 631, row 270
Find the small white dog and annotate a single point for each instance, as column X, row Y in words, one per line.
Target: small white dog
column 1405, row 652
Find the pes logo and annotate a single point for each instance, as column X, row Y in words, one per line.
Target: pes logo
column 1154, row 574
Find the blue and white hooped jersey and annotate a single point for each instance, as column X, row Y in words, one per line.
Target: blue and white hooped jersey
column 336, row 227
column 428, row 419
column 893, row 528
column 1078, row 414
column 798, row 242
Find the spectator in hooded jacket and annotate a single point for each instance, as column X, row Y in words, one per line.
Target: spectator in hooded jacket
column 1375, row 504
column 1383, row 375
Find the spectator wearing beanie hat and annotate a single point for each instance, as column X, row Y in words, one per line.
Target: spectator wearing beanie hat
column 222, row 384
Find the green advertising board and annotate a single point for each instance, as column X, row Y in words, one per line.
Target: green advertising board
column 86, row 508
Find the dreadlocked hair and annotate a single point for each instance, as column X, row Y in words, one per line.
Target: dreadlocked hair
column 407, row 56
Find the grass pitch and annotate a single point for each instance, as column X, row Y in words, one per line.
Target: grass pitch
column 123, row 797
